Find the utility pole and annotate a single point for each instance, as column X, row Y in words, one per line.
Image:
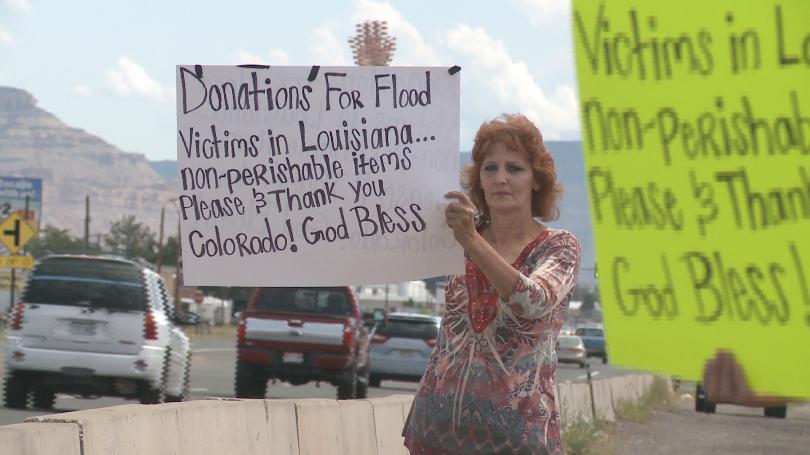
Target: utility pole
column 87, row 222
column 160, row 239
column 178, row 307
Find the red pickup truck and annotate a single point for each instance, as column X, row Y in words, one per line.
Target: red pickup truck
column 298, row 335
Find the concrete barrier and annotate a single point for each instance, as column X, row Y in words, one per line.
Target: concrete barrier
column 279, row 427
column 357, row 418
column 634, row 385
column 389, row 417
column 282, row 426
column 603, row 401
column 319, row 427
column 36, row 439
column 621, row 389
column 574, row 402
column 194, row 427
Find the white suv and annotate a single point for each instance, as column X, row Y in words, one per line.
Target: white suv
column 94, row 326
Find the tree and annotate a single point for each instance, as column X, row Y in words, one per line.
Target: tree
column 371, row 45
column 588, row 297
column 131, row 238
column 55, row 240
column 589, row 302
column 170, row 251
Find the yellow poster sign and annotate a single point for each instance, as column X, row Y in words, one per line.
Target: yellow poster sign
column 696, row 129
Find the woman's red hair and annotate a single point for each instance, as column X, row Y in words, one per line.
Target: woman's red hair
column 519, row 134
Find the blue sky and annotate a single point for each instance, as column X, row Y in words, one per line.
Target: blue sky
column 108, row 66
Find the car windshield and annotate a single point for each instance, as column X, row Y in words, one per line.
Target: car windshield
column 590, row 332
column 326, row 301
column 409, row 328
column 568, row 342
column 93, row 283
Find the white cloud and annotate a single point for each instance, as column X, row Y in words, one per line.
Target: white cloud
column 512, row 83
column 544, row 11
column 279, row 57
column 18, row 5
column 5, row 37
column 274, row 57
column 128, row 78
column 82, row 90
column 246, row 58
column 327, row 49
column 411, row 47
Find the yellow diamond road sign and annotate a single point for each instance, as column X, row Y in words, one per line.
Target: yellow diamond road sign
column 15, row 232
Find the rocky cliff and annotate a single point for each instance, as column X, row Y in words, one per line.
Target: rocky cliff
column 73, row 163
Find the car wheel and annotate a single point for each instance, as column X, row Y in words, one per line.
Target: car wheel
column 604, row 359
column 44, row 397
column 16, row 396
column 347, row 385
column 150, row 394
column 582, row 364
column 362, row 384
column 184, row 391
column 250, row 382
column 702, row 404
column 779, row 412
column 374, row 380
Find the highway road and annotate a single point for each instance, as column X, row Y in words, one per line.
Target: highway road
column 212, row 376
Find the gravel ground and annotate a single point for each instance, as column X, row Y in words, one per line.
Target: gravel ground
column 733, row 430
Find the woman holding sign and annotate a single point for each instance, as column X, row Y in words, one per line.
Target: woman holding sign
column 489, row 384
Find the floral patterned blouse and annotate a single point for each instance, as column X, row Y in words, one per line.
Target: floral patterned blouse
column 489, row 384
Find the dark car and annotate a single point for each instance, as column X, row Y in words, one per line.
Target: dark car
column 702, row 404
column 189, row 318
column 401, row 347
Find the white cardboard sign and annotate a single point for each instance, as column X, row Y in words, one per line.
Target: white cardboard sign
column 316, row 176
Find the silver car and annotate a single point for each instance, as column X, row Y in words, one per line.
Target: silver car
column 94, row 326
column 401, row 347
column 571, row 349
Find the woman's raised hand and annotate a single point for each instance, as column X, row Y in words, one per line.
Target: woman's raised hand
column 460, row 215
column 724, row 382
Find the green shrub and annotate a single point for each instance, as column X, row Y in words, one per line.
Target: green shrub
column 657, row 398
column 580, row 437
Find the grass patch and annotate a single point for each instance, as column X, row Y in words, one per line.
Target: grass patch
column 581, row 437
column 657, row 398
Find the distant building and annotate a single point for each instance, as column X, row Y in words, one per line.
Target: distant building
column 577, row 315
column 213, row 310
column 406, row 296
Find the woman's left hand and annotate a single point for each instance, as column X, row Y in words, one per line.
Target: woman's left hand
column 724, row 382
column 460, row 217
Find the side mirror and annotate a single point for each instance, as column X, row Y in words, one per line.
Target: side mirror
column 379, row 316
